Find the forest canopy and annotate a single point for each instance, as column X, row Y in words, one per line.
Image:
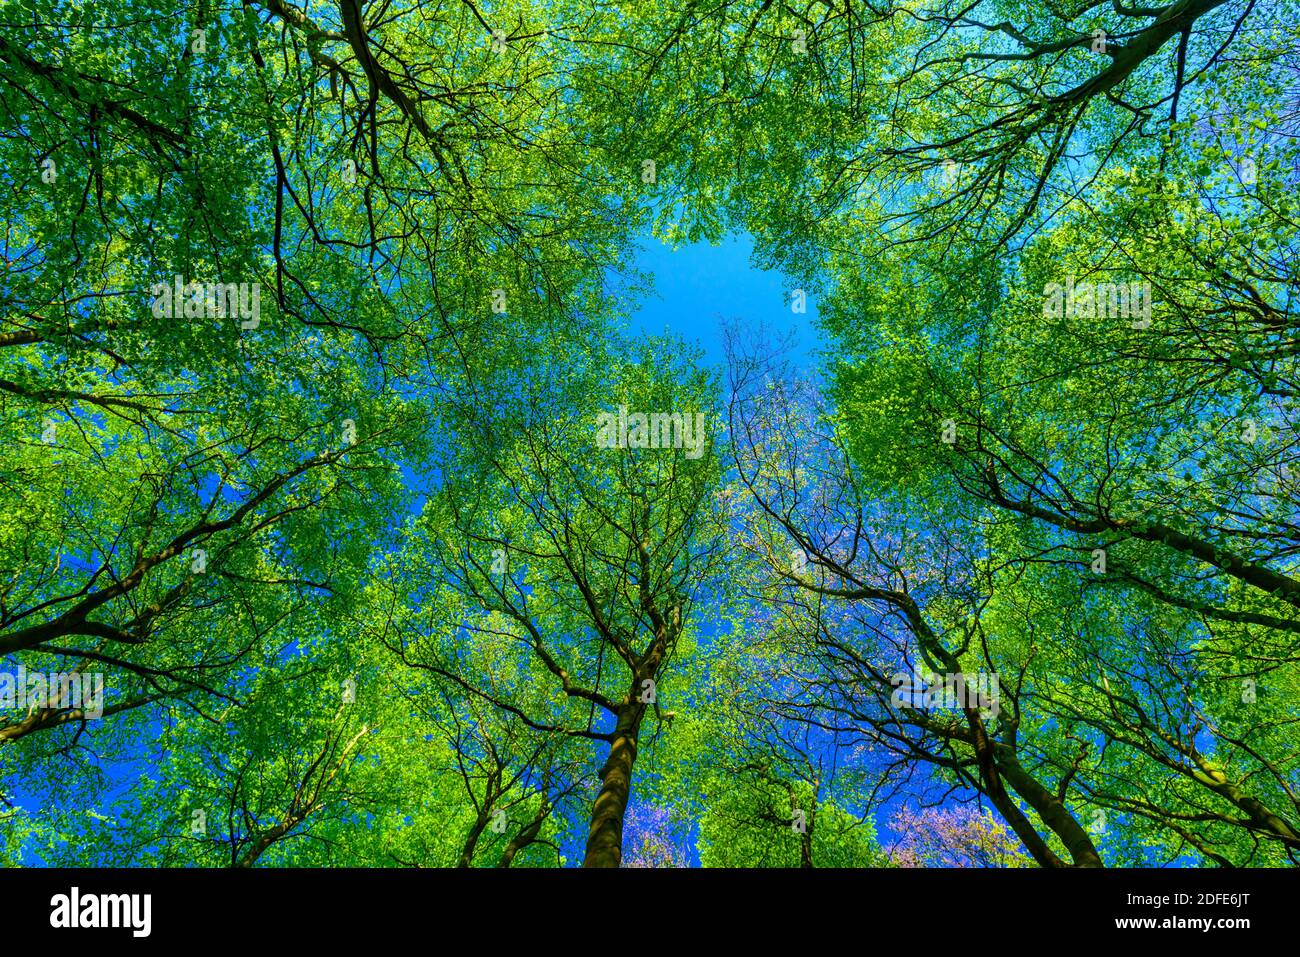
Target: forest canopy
column 346, row 520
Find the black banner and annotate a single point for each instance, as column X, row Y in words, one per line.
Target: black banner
column 898, row 906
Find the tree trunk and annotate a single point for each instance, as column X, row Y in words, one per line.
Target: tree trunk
column 471, row 840
column 806, row 835
column 605, row 842
column 524, row 838
column 1051, row 810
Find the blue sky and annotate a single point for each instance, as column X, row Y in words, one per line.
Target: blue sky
column 699, row 286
